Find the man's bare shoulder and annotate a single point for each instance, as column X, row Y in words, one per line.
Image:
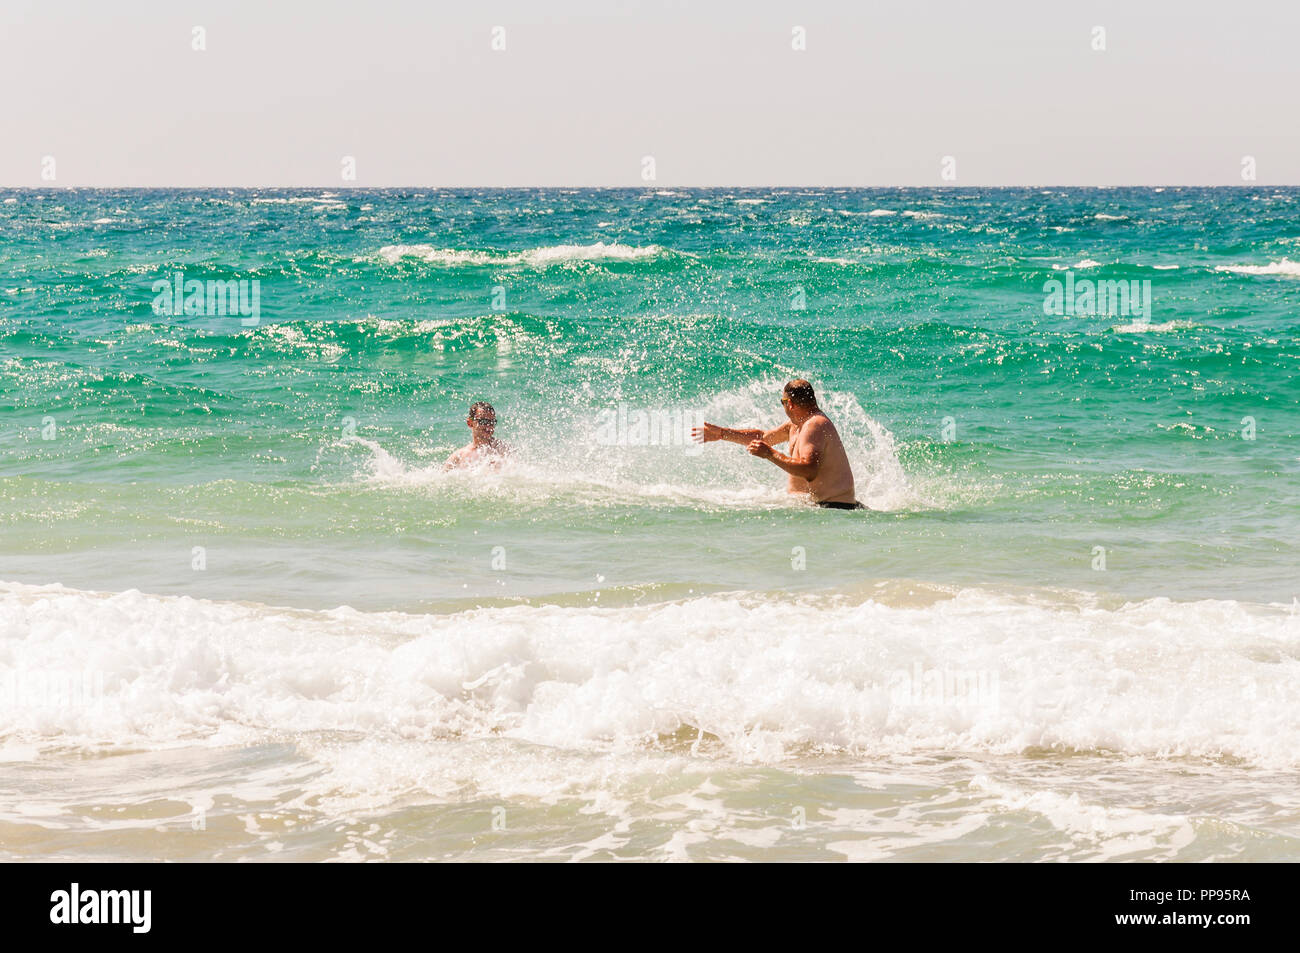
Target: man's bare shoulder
column 458, row 458
column 819, row 428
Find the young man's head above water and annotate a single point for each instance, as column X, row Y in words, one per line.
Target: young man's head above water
column 483, row 445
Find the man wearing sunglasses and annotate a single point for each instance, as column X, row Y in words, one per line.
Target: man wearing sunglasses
column 484, row 446
column 817, row 463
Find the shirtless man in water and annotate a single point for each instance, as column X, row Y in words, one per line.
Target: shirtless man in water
column 482, row 424
column 817, row 463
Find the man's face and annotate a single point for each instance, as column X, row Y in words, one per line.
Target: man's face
column 483, row 423
column 785, row 402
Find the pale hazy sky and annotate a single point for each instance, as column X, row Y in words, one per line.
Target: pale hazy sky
column 1012, row 89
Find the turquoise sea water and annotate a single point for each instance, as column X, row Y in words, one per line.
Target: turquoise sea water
column 645, row 648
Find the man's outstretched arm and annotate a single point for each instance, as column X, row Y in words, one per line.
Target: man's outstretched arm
column 711, row 432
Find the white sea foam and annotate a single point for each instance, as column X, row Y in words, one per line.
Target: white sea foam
column 539, row 481
column 439, row 256
column 589, row 252
column 766, row 674
column 1283, row 267
column 538, row 257
column 1141, row 327
column 879, row 212
column 1113, row 831
column 325, row 199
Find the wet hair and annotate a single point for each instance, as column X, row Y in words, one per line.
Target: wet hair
column 800, row 393
column 480, row 408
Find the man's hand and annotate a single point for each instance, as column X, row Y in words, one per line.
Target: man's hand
column 759, row 449
column 706, row 434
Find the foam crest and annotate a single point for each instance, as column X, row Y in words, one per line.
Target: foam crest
column 537, row 257
column 1146, row 327
column 1284, row 267
column 768, row 675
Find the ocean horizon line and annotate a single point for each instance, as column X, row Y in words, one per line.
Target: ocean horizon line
column 1245, row 187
